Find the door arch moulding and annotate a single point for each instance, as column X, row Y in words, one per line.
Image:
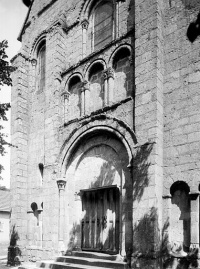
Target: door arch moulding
column 101, row 125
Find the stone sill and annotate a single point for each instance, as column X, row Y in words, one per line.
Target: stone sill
column 99, row 111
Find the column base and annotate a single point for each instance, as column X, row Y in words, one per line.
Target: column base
column 61, row 248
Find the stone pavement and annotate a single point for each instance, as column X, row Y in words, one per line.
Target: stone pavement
column 3, row 262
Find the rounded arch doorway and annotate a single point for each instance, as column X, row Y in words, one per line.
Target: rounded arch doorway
column 98, row 195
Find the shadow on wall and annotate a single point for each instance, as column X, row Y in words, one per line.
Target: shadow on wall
column 150, row 243
column 14, row 252
column 14, row 236
column 106, row 176
column 140, row 170
column 134, row 190
column 73, row 236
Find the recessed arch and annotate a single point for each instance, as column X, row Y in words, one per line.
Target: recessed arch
column 73, row 76
column 124, row 48
column 121, row 54
column 95, row 160
column 34, row 206
column 74, row 102
column 98, row 63
column 39, row 40
column 95, row 68
column 121, row 63
column 73, row 81
column 179, row 185
column 180, row 217
column 110, row 125
column 87, row 7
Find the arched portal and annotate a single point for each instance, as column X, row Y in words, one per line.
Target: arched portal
column 98, row 195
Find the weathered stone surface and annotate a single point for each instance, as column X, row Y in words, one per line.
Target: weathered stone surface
column 125, row 116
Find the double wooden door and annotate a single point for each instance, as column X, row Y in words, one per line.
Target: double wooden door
column 100, row 225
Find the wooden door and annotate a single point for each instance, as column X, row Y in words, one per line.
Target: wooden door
column 100, row 225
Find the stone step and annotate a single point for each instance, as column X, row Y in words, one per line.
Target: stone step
column 80, row 260
column 91, row 261
column 61, row 265
column 95, row 255
column 27, row 265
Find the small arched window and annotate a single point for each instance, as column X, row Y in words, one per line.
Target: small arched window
column 96, row 81
column 41, row 66
column 101, row 20
column 74, row 102
column 123, row 74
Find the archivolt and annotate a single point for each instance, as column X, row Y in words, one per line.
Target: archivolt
column 101, row 124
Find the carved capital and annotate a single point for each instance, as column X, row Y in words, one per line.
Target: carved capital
column 110, row 72
column 130, row 60
column 66, row 95
column 167, row 196
column 61, row 184
column 84, row 85
column 85, row 24
column 194, row 195
column 105, row 75
column 34, row 62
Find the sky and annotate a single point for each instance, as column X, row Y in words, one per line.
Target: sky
column 12, row 16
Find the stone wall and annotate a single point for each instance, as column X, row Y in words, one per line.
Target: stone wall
column 140, row 91
column 181, row 110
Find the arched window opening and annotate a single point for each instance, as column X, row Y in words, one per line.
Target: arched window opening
column 41, row 66
column 101, row 25
column 123, row 74
column 34, row 206
column 180, row 218
column 96, row 87
column 74, row 104
column 95, row 72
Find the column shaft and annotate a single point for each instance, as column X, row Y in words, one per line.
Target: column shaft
column 61, row 217
column 110, row 86
column 194, row 228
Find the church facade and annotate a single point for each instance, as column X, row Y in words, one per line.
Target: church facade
column 106, row 124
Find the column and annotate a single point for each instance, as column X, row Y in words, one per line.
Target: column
column 82, row 101
column 117, row 19
column 65, row 105
column 110, row 73
column 167, row 217
column 61, row 187
column 86, row 90
column 105, row 76
column 83, row 97
column 194, row 213
column 84, row 24
column 33, row 74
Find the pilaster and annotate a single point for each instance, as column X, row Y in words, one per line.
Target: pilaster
column 19, row 151
column 149, row 73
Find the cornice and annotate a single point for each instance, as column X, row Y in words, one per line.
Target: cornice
column 17, row 55
column 93, row 54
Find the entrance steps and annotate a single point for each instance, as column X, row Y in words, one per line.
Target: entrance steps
column 82, row 260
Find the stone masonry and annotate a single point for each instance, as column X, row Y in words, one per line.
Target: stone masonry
column 106, row 154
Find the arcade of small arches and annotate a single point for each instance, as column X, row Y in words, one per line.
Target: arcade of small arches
column 101, row 84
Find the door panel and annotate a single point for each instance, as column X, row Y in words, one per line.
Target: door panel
column 100, row 225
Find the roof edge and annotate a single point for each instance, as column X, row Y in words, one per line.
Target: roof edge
column 19, row 38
